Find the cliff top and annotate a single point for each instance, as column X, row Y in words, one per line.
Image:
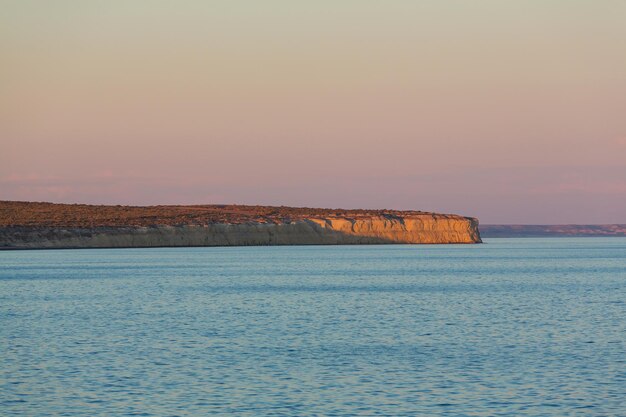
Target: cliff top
column 36, row 214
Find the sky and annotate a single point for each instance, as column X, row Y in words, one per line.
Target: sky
column 509, row 111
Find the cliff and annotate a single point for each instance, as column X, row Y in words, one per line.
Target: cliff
column 45, row 225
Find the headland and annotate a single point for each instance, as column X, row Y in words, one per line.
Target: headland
column 37, row 225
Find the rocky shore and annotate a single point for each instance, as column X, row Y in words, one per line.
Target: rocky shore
column 26, row 225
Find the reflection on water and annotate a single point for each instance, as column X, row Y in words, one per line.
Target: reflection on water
column 515, row 326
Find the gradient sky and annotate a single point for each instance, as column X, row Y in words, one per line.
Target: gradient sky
column 511, row 111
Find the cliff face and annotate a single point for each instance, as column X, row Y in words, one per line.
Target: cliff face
column 354, row 228
column 335, row 231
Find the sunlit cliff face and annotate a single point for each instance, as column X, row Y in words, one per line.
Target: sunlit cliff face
column 508, row 111
column 45, row 225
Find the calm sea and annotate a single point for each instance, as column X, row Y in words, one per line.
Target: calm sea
column 513, row 327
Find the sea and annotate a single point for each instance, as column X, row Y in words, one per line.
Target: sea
column 512, row 327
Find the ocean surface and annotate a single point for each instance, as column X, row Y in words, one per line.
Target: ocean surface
column 533, row 327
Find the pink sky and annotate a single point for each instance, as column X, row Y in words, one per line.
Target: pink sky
column 514, row 112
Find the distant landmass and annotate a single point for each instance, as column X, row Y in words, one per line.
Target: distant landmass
column 510, row 230
column 34, row 225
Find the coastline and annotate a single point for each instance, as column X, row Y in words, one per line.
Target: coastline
column 46, row 225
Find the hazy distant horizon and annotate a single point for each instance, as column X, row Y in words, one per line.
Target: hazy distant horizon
column 511, row 112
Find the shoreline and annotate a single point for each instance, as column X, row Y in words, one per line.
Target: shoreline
column 47, row 225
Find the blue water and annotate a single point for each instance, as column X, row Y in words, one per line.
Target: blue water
column 531, row 327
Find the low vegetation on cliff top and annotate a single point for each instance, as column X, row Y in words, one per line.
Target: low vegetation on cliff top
column 30, row 214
